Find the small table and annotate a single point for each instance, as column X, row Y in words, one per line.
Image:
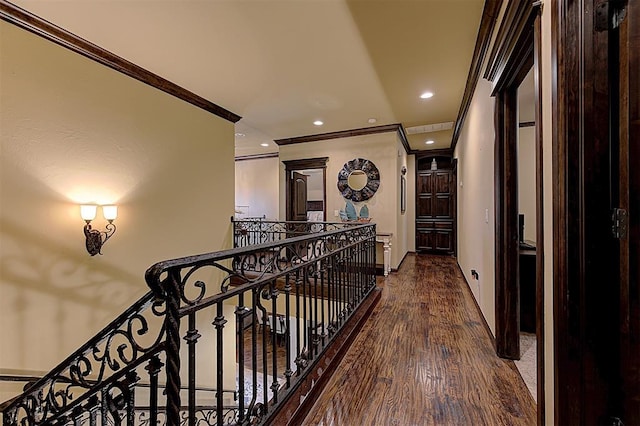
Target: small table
column 385, row 239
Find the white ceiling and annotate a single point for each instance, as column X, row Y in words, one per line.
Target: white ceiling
column 281, row 64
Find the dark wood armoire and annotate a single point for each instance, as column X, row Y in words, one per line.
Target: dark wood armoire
column 436, row 203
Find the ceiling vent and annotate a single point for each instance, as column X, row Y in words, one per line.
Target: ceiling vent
column 428, row 128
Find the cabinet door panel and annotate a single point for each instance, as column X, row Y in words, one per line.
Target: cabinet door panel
column 425, row 206
column 425, row 239
column 423, row 184
column 444, row 241
column 442, row 207
column 442, row 180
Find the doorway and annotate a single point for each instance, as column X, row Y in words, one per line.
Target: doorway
column 306, row 189
column 516, row 53
column 596, row 207
column 527, row 215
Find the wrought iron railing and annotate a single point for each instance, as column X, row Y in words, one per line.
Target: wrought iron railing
column 250, row 232
column 251, row 318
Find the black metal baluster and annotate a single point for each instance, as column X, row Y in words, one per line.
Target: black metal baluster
column 192, row 338
column 172, row 325
column 254, row 349
column 94, row 406
column 362, row 271
column 322, row 300
column 372, row 261
column 265, row 339
column 314, row 324
column 287, row 293
column 153, row 368
column 306, row 296
column 352, row 275
column 77, row 414
column 219, row 323
column 104, row 396
column 240, row 351
column 274, row 349
column 130, row 381
column 343, row 291
column 299, row 321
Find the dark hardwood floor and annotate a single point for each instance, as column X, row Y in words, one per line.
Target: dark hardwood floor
column 281, row 352
column 424, row 358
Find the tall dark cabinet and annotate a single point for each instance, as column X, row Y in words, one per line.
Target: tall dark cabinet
column 436, row 203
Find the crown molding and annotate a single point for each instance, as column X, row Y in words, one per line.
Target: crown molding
column 40, row 27
column 487, row 25
column 397, row 127
column 257, row 156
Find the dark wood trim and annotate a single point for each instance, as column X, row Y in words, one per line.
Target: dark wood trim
column 40, row 27
column 350, row 133
column 306, row 163
column 475, row 302
column 630, row 200
column 306, row 392
column 587, row 260
column 444, row 152
column 562, row 368
column 517, row 49
column 402, row 134
column 487, row 25
column 508, row 46
column 527, row 124
column 257, row 156
column 506, row 226
column 539, row 136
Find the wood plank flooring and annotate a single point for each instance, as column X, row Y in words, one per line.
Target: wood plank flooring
column 424, row 358
column 281, row 351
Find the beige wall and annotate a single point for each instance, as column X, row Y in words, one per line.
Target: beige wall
column 257, row 186
column 73, row 132
column 476, row 239
column 527, row 180
column 382, row 149
column 411, row 203
column 401, row 243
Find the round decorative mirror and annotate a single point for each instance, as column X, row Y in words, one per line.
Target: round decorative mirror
column 358, row 180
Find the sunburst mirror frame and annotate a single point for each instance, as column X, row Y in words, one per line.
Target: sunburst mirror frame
column 373, row 179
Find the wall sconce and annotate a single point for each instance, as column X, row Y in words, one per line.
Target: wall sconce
column 95, row 238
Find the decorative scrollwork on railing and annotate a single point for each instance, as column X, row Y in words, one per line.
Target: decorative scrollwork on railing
column 122, row 343
column 203, row 416
column 301, row 264
column 248, row 232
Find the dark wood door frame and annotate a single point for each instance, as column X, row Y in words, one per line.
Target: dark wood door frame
column 594, row 170
column 305, row 164
column 630, row 173
column 516, row 50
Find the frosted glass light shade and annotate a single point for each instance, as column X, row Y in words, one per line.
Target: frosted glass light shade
column 88, row 211
column 110, row 212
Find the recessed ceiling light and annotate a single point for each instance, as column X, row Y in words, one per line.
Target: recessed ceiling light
column 371, row 120
column 264, row 144
column 426, row 95
column 240, row 135
column 318, row 123
column 429, row 142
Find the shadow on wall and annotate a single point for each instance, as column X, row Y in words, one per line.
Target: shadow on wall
column 53, row 298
